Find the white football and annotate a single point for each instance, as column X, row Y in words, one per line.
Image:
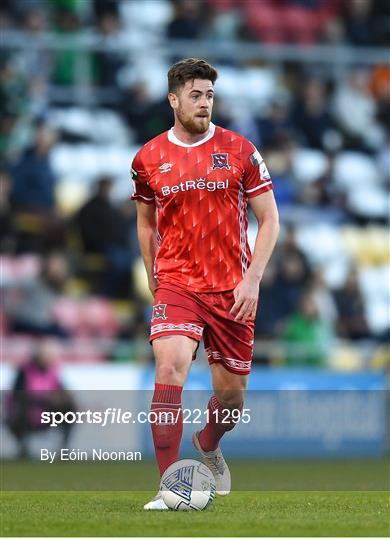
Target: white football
column 187, row 485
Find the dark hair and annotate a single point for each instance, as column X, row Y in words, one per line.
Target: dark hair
column 188, row 70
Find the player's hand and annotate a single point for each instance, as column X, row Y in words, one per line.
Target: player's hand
column 246, row 296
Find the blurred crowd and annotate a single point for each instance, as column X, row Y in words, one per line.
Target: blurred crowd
column 70, row 261
column 355, row 22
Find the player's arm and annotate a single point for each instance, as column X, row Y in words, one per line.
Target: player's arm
column 144, row 197
column 266, row 213
column 246, row 293
column 147, row 239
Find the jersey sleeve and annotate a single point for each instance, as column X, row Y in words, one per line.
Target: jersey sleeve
column 141, row 189
column 257, row 179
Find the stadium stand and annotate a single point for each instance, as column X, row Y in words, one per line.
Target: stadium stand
column 82, row 86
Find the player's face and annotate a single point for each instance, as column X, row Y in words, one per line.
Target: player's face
column 193, row 105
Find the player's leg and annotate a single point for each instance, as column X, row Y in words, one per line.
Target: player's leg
column 229, row 345
column 175, row 333
column 224, row 407
column 173, row 356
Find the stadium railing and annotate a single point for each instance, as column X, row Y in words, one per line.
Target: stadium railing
column 336, row 58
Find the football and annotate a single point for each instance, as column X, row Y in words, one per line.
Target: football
column 187, row 485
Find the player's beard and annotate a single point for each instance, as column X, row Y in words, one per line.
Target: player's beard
column 195, row 125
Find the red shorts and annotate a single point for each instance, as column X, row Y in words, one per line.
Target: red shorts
column 177, row 311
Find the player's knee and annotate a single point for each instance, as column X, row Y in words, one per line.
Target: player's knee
column 231, row 402
column 231, row 399
column 170, row 373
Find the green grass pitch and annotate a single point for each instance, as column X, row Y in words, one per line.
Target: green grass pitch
column 240, row 514
column 271, row 498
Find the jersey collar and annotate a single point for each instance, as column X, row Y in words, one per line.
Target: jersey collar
column 173, row 139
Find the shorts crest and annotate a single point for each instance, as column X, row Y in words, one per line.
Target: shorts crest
column 159, row 312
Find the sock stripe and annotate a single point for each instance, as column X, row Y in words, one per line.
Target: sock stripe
column 215, row 404
column 167, row 393
column 165, row 408
column 168, row 404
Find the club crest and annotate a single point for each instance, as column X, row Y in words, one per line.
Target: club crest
column 159, row 312
column 220, row 161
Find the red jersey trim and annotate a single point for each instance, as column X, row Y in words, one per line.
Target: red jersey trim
column 173, row 139
column 146, row 200
column 254, row 192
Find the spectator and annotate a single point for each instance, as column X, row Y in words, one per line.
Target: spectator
column 380, row 10
column 279, row 160
column 37, row 388
column 35, row 64
column 355, row 111
column 30, row 304
column 359, row 22
column 108, row 62
column 13, row 89
column 306, row 337
column 19, row 8
column 109, row 7
column 276, row 125
column 220, row 25
column 311, row 116
column 323, row 195
column 187, row 22
column 352, row 323
column 14, row 107
column 105, row 230
column 33, row 196
column 294, row 273
column 334, row 31
column 33, row 178
column 323, row 299
column 144, row 116
column 7, row 225
column 68, row 62
column 380, row 85
column 271, row 305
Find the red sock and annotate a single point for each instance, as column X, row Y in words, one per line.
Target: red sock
column 167, row 432
column 211, row 434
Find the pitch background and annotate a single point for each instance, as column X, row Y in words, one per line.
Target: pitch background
column 290, row 502
column 241, row 514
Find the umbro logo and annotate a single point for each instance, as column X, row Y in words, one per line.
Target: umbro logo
column 165, row 167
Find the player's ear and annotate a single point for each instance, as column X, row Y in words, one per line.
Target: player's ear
column 173, row 100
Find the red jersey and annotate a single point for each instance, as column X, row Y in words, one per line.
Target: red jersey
column 200, row 191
